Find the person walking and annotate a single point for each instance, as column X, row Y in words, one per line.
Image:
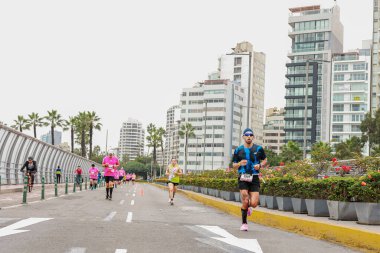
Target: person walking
column 248, row 159
column 173, row 172
column 93, row 172
column 78, row 175
column 58, row 172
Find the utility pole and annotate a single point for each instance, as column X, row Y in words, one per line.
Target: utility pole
column 305, row 111
column 212, row 154
column 204, row 137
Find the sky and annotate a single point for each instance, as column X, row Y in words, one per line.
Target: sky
column 131, row 59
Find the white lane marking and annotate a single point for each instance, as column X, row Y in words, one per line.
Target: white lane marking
column 134, row 195
column 12, row 229
column 247, row 244
column 120, row 251
column 8, row 207
column 132, row 202
column 122, row 201
column 6, row 199
column 129, row 217
column 110, row 216
column 77, row 250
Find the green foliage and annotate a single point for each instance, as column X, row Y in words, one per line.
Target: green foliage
column 368, row 163
column 339, row 188
column 144, row 159
column 280, row 186
column 136, row 167
column 316, row 189
column 366, row 188
column 186, row 131
column 370, row 128
column 349, row 149
column 21, row 123
column 300, row 168
column 321, row 154
column 291, row 152
column 272, row 157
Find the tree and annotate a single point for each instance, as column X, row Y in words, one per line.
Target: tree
column 143, row 159
column 161, row 134
column 370, row 128
column 93, row 121
column 136, row 167
column 71, row 124
column 186, row 131
column 21, row 123
column 273, row 158
column 349, row 149
column 36, row 121
column 98, row 155
column 291, row 152
column 82, row 128
column 153, row 141
column 321, row 154
column 54, row 120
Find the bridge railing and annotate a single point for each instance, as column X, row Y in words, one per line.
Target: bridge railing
column 16, row 147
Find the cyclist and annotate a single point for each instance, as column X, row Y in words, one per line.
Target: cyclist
column 58, row 172
column 31, row 170
column 78, row 175
column 93, row 172
column 173, row 172
column 110, row 163
column 248, row 159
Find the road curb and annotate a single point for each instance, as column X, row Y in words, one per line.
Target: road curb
column 346, row 236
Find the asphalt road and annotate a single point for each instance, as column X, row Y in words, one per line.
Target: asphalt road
column 139, row 219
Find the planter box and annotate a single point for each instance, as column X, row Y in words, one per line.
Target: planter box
column 368, row 213
column 217, row 193
column 271, row 202
column 340, row 210
column 196, row 189
column 299, row 205
column 203, row 190
column 284, row 203
column 226, row 195
column 262, row 200
column 317, row 207
column 210, row 191
column 237, row 196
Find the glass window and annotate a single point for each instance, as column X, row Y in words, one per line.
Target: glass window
column 355, row 128
column 338, row 77
column 337, row 128
column 237, row 61
column 338, row 108
column 337, row 118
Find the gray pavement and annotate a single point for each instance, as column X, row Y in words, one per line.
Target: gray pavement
column 138, row 219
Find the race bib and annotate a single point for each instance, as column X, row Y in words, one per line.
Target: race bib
column 246, row 177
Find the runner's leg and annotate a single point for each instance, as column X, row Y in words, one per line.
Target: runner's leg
column 244, row 205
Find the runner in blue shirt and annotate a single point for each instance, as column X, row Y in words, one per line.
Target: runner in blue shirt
column 248, row 160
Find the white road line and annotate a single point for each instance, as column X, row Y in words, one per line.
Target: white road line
column 120, row 251
column 122, row 201
column 134, row 195
column 77, row 250
column 129, row 217
column 132, row 202
column 8, row 207
column 110, row 216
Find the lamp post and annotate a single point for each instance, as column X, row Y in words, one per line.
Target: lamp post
column 204, row 138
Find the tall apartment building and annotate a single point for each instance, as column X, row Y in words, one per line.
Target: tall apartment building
column 316, row 34
column 57, row 138
column 173, row 121
column 215, row 109
column 131, row 142
column 235, row 66
column 350, row 93
column 274, row 134
column 375, row 88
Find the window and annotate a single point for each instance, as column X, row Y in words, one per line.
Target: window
column 338, row 97
column 195, row 102
column 337, row 118
column 340, row 67
column 183, row 102
column 355, row 128
column 237, row 70
column 195, row 93
column 360, row 66
column 355, row 108
column 359, row 76
column 237, row 77
column 237, row 61
column 184, row 94
column 338, row 77
column 337, row 128
column 357, row 117
column 338, row 108
column 214, row 92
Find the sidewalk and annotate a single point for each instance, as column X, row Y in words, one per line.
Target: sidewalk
column 19, row 188
column 347, row 233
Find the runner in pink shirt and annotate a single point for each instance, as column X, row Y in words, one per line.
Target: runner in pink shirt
column 121, row 175
column 110, row 164
column 93, row 172
column 116, row 178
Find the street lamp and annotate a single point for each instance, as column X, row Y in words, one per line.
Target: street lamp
column 249, row 83
column 204, row 138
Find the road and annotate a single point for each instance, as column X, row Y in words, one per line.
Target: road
column 139, row 219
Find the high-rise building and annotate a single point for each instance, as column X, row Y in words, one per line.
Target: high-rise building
column 350, row 93
column 215, row 110
column 316, row 34
column 236, row 66
column 57, row 138
column 375, row 88
column 274, row 134
column 131, row 141
column 173, row 121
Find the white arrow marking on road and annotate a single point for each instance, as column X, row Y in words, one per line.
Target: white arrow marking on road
column 247, row 244
column 77, row 250
column 121, row 201
column 121, row 251
column 132, row 202
column 129, row 217
column 12, row 229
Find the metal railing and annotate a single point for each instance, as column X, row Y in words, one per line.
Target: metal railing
column 16, row 147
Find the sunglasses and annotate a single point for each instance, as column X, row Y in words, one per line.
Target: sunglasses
column 251, row 135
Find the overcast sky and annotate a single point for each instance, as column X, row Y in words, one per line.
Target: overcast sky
column 132, row 58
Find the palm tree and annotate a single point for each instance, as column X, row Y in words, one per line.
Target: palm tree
column 71, row 124
column 291, row 152
column 54, row 120
column 321, row 154
column 186, row 131
column 94, row 123
column 350, row 148
column 161, row 133
column 82, row 128
column 154, row 142
column 21, row 123
column 36, row 121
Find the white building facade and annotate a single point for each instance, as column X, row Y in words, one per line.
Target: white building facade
column 173, row 121
column 375, row 88
column 274, row 134
column 350, row 94
column 215, row 110
column 131, row 142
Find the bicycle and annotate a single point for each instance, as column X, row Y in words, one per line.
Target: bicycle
column 30, row 176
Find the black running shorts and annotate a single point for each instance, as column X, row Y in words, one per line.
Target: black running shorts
column 253, row 186
column 109, row 178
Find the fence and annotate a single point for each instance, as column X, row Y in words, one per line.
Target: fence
column 16, row 147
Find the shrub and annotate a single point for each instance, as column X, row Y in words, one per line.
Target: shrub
column 367, row 188
column 339, row 188
column 316, row 189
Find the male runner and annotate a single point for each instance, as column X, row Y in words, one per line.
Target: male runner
column 110, row 164
column 248, row 160
column 93, row 172
column 173, row 172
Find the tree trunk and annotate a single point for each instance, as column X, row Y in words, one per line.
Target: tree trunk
column 35, row 130
column 20, row 129
column 83, row 144
column 72, row 140
column 185, row 171
column 90, row 155
column 52, row 135
column 163, row 160
column 154, row 160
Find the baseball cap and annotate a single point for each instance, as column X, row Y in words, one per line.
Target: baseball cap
column 248, row 131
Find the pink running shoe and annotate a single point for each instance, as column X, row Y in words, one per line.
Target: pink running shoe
column 244, row 227
column 249, row 211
